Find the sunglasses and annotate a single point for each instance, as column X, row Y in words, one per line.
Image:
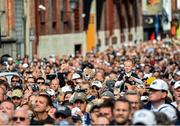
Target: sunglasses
column 20, row 118
column 14, row 81
column 40, row 82
column 94, row 87
column 16, row 98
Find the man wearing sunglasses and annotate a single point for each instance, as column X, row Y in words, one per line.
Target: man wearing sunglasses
column 21, row 117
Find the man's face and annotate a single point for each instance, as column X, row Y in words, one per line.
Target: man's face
column 155, row 95
column 94, row 90
column 14, row 81
column 106, row 111
column 40, row 104
column 135, row 102
column 54, row 85
column 21, row 118
column 85, row 87
column 177, row 94
column 30, row 80
column 81, row 105
column 128, row 66
column 121, row 112
column 16, row 101
column 7, row 108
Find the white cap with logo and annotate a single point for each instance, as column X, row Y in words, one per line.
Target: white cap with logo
column 177, row 85
column 159, row 84
column 145, row 117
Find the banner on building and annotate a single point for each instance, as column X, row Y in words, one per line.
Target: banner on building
column 152, row 7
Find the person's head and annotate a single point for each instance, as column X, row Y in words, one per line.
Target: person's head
column 134, row 98
column 122, row 111
column 128, row 65
column 85, row 86
column 15, row 80
column 40, row 80
column 42, row 104
column 55, row 84
column 4, row 119
column 30, row 80
column 94, row 113
column 144, row 117
column 177, row 91
column 102, row 120
column 106, row 109
column 17, row 97
column 80, row 101
column 7, row 107
column 158, row 91
column 4, row 84
column 21, row 117
column 177, row 76
column 99, row 76
column 95, row 87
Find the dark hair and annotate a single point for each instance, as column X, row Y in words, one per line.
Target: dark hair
column 49, row 101
column 108, row 103
column 40, row 78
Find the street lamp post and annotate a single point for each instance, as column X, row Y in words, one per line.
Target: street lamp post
column 1, row 13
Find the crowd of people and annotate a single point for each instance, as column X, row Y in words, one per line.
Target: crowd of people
column 131, row 85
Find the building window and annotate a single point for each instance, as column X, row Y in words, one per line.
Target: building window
column 54, row 15
column 76, row 19
column 42, row 17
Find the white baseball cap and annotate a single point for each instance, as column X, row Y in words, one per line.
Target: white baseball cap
column 97, row 83
column 145, row 117
column 66, row 88
column 177, row 85
column 169, row 111
column 159, row 84
column 75, row 76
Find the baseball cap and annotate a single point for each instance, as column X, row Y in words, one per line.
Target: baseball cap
column 97, row 83
column 150, row 80
column 17, row 93
column 169, row 111
column 177, row 84
column 108, row 94
column 75, row 76
column 79, row 96
column 177, row 73
column 50, row 92
column 145, row 117
column 66, row 88
column 159, row 84
column 63, row 111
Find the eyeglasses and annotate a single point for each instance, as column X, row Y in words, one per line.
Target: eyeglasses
column 15, row 81
column 94, row 87
column 20, row 118
column 40, row 82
